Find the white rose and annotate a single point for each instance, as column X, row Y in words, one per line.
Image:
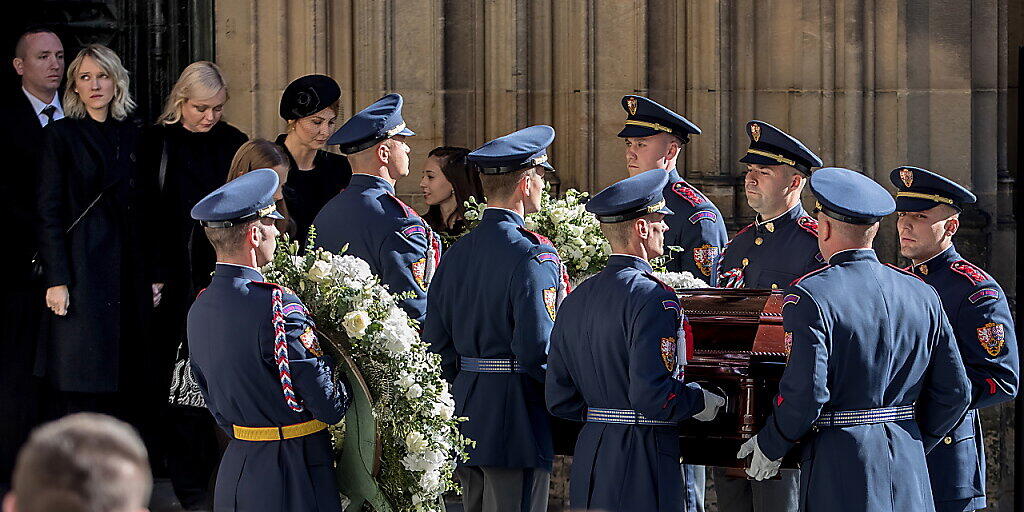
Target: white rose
column 430, row 480
column 355, row 323
column 405, row 381
column 445, row 411
column 416, row 442
column 414, row 391
column 320, row 271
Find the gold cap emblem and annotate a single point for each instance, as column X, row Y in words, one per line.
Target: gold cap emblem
column 755, row 132
column 631, row 105
column 907, row 177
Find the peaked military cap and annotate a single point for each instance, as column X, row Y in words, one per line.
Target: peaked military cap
column 247, row 197
column 920, row 189
column 379, row 121
column 518, row 150
column 630, row 198
column 772, row 146
column 849, row 196
column 308, row 95
column 646, row 117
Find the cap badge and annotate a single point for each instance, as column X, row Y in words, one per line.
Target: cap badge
column 631, row 105
column 907, row 176
column 755, row 132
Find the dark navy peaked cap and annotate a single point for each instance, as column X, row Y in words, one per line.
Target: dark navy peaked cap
column 849, row 196
column 308, row 95
column 772, row 146
column 920, row 189
column 631, row 198
column 646, row 117
column 381, row 120
column 247, row 197
column 516, row 151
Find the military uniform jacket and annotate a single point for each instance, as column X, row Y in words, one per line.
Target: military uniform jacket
column 773, row 253
column 697, row 227
column 864, row 336
column 980, row 316
column 494, row 297
column 614, row 346
column 231, row 332
column 380, row 229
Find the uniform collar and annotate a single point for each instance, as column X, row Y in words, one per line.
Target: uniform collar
column 503, row 214
column 851, row 255
column 769, row 225
column 371, row 181
column 231, row 270
column 674, row 177
column 629, row 261
column 940, row 260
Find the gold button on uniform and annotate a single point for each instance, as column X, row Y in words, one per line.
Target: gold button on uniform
column 746, row 262
column 948, row 440
column 775, row 286
column 758, row 241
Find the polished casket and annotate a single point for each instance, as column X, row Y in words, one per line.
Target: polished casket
column 739, row 351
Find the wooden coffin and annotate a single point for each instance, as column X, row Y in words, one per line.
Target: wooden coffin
column 740, row 352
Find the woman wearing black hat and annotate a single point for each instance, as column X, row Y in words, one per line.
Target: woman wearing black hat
column 310, row 105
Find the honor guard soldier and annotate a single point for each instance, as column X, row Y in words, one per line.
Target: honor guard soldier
column 367, row 217
column 654, row 137
column 259, row 365
column 929, row 209
column 617, row 353
column 782, row 242
column 778, row 247
column 489, row 315
column 874, row 378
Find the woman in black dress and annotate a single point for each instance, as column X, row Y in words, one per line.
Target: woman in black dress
column 101, row 284
column 187, row 154
column 449, row 180
column 310, row 105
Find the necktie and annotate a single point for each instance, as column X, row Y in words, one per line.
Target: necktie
column 48, row 111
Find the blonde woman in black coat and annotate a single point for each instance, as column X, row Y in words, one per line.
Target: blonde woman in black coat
column 99, row 282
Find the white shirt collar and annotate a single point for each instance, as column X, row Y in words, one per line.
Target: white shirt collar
column 38, row 106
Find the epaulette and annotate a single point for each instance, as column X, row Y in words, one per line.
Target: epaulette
column 690, row 194
column 536, row 237
column 409, row 212
column 809, row 224
column 664, row 286
column 970, row 271
column 904, row 271
column 809, row 274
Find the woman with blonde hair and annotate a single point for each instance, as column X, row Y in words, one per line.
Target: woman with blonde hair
column 186, row 154
column 310, row 106
column 94, row 215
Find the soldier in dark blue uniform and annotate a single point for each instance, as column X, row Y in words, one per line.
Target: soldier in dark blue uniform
column 782, row 242
column 778, row 247
column 259, row 365
column 654, row 137
column 874, row 378
column 489, row 315
column 367, row 217
column 929, row 215
column 617, row 353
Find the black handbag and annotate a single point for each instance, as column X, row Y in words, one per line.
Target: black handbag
column 37, row 264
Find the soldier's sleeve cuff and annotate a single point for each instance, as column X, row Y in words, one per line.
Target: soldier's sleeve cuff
column 771, row 441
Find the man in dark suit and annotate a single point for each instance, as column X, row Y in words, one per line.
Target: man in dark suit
column 31, row 104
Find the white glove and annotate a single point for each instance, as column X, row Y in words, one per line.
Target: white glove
column 712, row 403
column 761, row 468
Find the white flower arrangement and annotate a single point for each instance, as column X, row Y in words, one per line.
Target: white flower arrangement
column 679, row 280
column 412, row 405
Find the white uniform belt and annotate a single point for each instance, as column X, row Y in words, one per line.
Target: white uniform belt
column 481, row 365
column 865, row 416
column 622, row 417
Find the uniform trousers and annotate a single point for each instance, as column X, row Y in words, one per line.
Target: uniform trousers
column 698, row 477
column 494, row 489
column 742, row 495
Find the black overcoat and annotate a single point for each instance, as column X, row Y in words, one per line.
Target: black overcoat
column 100, row 345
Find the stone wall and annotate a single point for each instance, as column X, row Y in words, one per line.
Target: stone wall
column 867, row 84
